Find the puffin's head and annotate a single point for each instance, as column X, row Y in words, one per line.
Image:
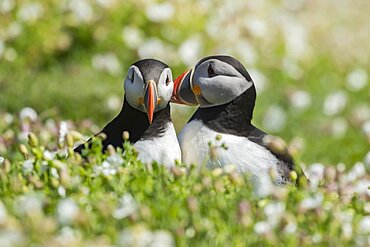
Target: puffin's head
column 148, row 86
column 215, row 80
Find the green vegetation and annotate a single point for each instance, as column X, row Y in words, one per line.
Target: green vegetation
column 67, row 59
column 52, row 200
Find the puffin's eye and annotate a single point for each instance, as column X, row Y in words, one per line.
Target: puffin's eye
column 211, row 72
column 168, row 81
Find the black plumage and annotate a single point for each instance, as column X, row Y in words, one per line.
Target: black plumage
column 132, row 120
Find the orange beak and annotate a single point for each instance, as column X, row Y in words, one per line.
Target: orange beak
column 176, row 88
column 150, row 99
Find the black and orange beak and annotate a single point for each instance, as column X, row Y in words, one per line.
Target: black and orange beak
column 150, row 99
column 182, row 90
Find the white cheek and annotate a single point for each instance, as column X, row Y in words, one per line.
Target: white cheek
column 222, row 89
column 165, row 93
column 133, row 92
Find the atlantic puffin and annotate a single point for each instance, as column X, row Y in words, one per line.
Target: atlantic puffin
column 226, row 96
column 145, row 114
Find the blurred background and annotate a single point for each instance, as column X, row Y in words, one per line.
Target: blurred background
column 66, row 60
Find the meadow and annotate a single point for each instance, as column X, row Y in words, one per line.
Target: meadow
column 62, row 65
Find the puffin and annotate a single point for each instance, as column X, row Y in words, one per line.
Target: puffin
column 220, row 132
column 145, row 114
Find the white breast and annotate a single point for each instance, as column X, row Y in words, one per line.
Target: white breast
column 246, row 155
column 165, row 149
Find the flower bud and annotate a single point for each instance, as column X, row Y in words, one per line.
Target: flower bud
column 32, row 140
column 102, row 136
column 23, row 149
column 69, row 140
column 276, row 144
column 293, row 175
column 192, row 204
column 76, row 135
column 125, row 135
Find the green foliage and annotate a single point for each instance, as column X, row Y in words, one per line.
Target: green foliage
column 53, row 198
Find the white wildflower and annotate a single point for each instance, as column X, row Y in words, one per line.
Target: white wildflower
column 366, row 128
column 296, row 42
column 316, row 238
column 110, row 165
column 68, row 236
column 190, row 232
column 246, row 52
column 256, row 26
column 61, row 191
column 11, row 236
column 334, row 103
column 106, row 3
column 347, row 230
column 357, row 171
column 274, row 211
column 8, row 118
column 48, row 155
column 29, row 204
column 357, row 79
column 115, row 159
column 361, row 113
column 127, row 206
column 54, row 172
column 107, row 62
column 274, row 119
column 30, row 12
column 63, row 130
column 132, row 36
column 312, row 202
column 27, row 166
column 315, row 174
column 82, row 10
column 341, row 167
column 367, row 207
column 6, row 6
column 346, row 216
column 364, row 225
column 67, row 211
column 2, row 47
column 290, row 228
column 362, row 187
column 108, row 169
column 259, row 79
column 85, row 190
column 262, row 227
column 152, row 48
column 10, row 54
column 3, row 213
column 190, row 50
column 159, row 12
column 28, row 113
column 339, row 127
column 367, row 160
column 300, row 99
column 2, row 159
column 14, row 30
column 135, row 236
column 162, row 238
column 23, row 135
column 114, row 103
